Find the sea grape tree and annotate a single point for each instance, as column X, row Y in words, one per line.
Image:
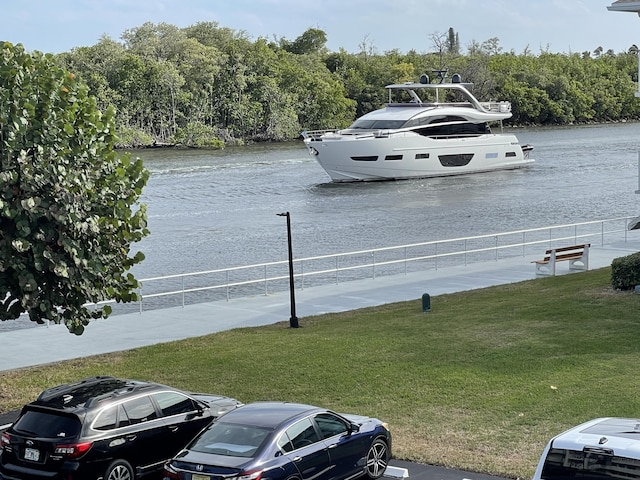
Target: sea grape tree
column 69, row 203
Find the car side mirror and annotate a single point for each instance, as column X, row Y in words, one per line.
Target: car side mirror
column 197, row 413
column 354, row 428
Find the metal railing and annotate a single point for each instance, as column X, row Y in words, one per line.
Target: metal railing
column 270, row 277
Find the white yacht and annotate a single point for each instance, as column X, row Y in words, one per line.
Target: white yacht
column 426, row 130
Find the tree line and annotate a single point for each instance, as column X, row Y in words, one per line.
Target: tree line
column 206, row 85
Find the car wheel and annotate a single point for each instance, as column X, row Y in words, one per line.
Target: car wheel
column 377, row 459
column 119, row 470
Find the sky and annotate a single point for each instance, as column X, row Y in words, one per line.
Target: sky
column 558, row 26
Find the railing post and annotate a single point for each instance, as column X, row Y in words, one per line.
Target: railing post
column 266, row 282
column 465, row 252
column 524, row 243
column 405, row 260
column 436, row 255
column 373, row 260
column 336, row 270
column 301, row 274
column 140, row 295
column 182, row 278
column 496, row 246
column 602, row 230
column 626, row 227
column 227, row 286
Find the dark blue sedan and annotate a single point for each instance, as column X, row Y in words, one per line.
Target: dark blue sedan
column 285, row 441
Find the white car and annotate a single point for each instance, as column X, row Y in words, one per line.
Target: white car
column 604, row 448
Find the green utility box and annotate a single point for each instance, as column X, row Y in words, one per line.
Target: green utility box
column 426, row 302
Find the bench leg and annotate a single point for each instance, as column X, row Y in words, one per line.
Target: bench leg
column 544, row 269
column 579, row 264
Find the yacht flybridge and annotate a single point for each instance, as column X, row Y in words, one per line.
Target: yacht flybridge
column 426, row 130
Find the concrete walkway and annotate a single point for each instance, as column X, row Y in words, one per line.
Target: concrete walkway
column 49, row 344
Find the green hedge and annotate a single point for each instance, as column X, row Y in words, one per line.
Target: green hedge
column 625, row 272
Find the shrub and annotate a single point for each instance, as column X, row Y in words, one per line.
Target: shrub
column 625, row 272
column 130, row 137
column 197, row 134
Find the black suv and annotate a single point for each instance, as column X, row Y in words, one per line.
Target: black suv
column 104, row 428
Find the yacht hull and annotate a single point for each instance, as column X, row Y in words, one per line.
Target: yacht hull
column 403, row 155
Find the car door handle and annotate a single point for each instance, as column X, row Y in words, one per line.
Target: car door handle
column 131, row 438
column 174, row 428
column 333, row 445
column 297, row 458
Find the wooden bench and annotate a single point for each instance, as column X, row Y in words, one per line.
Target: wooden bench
column 576, row 255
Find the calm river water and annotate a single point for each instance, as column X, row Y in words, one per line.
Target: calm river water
column 218, row 209
column 214, row 209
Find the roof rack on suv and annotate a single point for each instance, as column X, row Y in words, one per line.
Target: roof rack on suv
column 87, row 391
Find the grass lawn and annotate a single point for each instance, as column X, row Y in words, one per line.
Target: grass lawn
column 481, row 382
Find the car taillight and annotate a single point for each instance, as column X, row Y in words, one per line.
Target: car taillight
column 170, row 473
column 255, row 475
column 73, row 450
column 5, row 440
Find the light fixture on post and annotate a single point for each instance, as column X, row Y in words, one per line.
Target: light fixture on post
column 293, row 321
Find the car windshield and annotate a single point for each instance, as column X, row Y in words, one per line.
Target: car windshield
column 230, row 440
column 47, row 425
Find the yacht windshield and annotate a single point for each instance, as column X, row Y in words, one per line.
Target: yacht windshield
column 364, row 124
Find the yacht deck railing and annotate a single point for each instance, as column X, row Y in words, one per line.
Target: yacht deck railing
column 270, row 277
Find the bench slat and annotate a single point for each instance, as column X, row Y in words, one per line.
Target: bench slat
column 573, row 247
column 566, row 256
column 567, row 249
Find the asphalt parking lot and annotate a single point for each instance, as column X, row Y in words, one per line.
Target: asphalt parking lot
column 418, row 471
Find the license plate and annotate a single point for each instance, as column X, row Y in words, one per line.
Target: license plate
column 196, row 476
column 31, row 454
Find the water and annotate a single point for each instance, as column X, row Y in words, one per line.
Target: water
column 216, row 209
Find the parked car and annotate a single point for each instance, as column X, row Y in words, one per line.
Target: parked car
column 284, row 441
column 104, row 428
column 601, row 449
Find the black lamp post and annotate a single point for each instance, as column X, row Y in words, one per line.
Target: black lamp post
column 293, row 321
